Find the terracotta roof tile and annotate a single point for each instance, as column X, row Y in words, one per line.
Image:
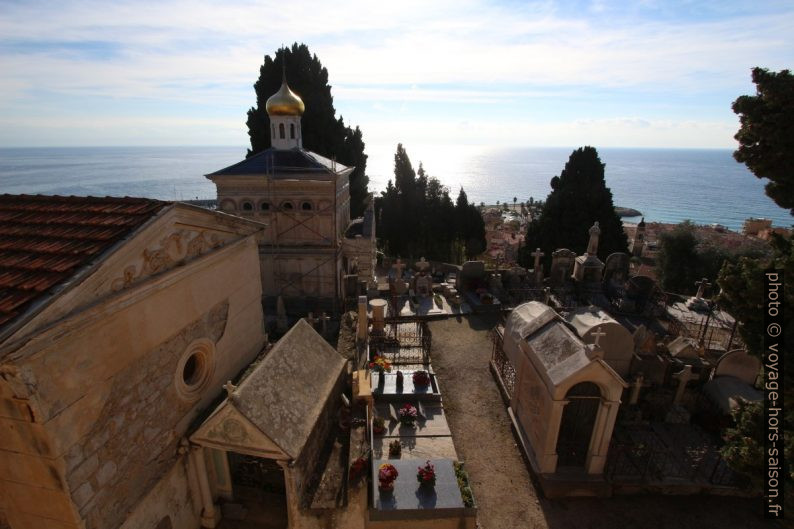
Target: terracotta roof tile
column 47, row 240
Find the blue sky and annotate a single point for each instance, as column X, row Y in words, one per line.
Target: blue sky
column 628, row 74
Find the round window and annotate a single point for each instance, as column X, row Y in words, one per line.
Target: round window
column 194, row 369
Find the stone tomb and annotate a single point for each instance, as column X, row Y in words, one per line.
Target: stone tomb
column 385, row 387
column 562, row 261
column 409, row 500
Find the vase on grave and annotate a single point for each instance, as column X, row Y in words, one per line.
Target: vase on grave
column 387, row 473
column 426, row 475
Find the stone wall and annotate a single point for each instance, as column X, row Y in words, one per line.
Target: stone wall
column 307, row 470
column 135, row 438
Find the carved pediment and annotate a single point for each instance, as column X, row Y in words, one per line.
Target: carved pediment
column 228, row 429
column 170, row 251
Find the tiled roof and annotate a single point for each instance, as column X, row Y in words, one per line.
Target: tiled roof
column 46, row 240
column 283, row 163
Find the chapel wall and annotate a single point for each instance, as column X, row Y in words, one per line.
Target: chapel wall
column 105, row 381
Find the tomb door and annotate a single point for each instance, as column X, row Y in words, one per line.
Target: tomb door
column 256, row 473
column 576, row 427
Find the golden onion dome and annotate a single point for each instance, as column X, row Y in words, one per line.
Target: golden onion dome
column 285, row 102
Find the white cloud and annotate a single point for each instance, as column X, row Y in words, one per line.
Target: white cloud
column 460, row 52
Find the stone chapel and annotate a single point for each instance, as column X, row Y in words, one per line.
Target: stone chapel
column 310, row 243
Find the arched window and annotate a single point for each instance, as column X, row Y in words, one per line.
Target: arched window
column 292, row 131
column 264, row 206
column 306, row 206
column 247, row 206
column 281, row 130
column 287, row 206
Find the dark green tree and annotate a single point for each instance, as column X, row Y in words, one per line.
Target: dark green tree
column 323, row 132
column 578, row 198
column 676, row 263
column 417, row 218
column 766, row 136
column 743, row 296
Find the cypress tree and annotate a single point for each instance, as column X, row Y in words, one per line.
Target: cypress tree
column 579, row 197
column 323, row 132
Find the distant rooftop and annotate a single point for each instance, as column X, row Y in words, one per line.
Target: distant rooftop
column 45, row 241
column 282, row 163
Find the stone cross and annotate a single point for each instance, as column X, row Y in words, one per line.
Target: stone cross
column 702, row 285
column 281, row 316
column 597, row 334
column 683, row 377
column 537, row 254
column 592, row 245
column 422, row 265
column 635, row 389
column 229, row 387
column 398, row 267
column 324, row 319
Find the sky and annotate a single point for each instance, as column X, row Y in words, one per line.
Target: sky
column 637, row 73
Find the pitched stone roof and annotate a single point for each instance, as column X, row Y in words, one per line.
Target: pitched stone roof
column 283, row 163
column 284, row 394
column 46, row 241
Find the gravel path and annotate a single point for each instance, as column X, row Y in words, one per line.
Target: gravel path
column 501, row 482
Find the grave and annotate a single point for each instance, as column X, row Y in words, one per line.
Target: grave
column 433, row 425
column 562, row 261
column 616, row 268
column 385, row 387
column 409, row 500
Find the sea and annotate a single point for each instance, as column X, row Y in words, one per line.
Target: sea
column 706, row 186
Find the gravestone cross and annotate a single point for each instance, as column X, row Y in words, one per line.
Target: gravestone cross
column 635, row 389
column 537, row 254
column 597, row 334
column 592, row 244
column 702, row 285
column 422, row 265
column 683, row 377
column 324, row 319
column 398, row 267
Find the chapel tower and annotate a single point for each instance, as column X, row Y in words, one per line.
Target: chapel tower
column 285, row 109
column 309, row 244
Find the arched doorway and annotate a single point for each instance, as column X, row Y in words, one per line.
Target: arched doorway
column 576, row 426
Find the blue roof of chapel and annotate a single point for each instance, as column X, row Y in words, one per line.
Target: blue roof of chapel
column 283, row 163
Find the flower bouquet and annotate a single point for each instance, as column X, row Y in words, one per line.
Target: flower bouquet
column 378, row 426
column 380, row 365
column 395, row 448
column 426, row 475
column 357, row 468
column 386, row 476
column 408, row 415
column 421, row 378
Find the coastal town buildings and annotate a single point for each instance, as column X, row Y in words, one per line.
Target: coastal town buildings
column 310, row 243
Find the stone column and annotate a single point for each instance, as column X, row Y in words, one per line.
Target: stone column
column 378, row 307
column 291, row 493
column 210, row 516
column 363, row 319
column 602, row 434
column 548, row 464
